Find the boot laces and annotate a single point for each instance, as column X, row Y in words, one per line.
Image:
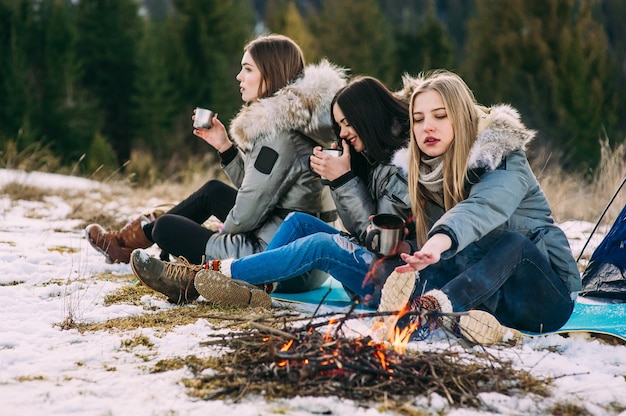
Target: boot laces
column 182, row 269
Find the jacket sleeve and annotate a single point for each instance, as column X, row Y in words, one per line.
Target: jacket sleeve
column 235, row 169
column 266, row 176
column 491, row 202
column 387, row 193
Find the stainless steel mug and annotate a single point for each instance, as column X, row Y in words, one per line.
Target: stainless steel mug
column 386, row 234
column 203, row 118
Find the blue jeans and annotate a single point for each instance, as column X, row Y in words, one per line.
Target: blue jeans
column 303, row 243
column 506, row 275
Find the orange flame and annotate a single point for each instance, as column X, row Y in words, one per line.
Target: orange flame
column 382, row 359
column 286, row 346
column 328, row 336
column 387, row 331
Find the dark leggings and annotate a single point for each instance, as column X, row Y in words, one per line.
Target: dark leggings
column 180, row 231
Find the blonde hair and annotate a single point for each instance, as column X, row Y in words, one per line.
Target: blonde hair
column 460, row 106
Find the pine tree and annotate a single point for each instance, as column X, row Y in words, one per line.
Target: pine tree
column 66, row 115
column 155, row 96
column 283, row 16
column 550, row 60
column 44, row 103
column 13, row 69
column 203, row 54
column 357, row 35
column 424, row 44
column 108, row 34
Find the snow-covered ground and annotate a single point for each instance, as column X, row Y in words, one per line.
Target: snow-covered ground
column 46, row 267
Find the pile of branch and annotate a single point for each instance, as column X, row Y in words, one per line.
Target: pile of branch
column 306, row 362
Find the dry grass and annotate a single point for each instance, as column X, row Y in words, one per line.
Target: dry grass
column 140, row 185
column 573, row 196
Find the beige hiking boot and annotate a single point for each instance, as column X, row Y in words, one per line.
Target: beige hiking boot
column 395, row 296
column 220, row 289
column 480, row 327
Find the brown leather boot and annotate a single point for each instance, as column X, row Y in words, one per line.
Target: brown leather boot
column 117, row 245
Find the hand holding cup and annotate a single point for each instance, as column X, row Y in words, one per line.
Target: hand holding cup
column 330, row 163
column 210, row 129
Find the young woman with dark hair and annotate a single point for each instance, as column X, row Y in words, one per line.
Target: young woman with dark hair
column 372, row 125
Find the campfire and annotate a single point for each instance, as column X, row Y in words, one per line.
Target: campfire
column 301, row 358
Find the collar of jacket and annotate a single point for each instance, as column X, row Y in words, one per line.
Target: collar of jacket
column 500, row 132
column 303, row 105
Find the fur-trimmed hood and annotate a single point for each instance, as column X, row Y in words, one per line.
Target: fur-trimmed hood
column 303, row 105
column 500, row 132
column 401, row 156
column 409, row 83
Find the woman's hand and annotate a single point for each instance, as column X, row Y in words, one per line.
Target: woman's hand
column 429, row 254
column 330, row 167
column 216, row 136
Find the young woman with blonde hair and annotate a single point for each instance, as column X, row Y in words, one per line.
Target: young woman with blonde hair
column 488, row 245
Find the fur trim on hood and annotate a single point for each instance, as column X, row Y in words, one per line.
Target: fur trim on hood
column 500, row 132
column 402, row 156
column 303, row 105
column 401, row 159
column 409, row 83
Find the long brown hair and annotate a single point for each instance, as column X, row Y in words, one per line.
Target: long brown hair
column 279, row 59
column 460, row 106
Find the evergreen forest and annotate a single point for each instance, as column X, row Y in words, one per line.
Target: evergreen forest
column 95, row 83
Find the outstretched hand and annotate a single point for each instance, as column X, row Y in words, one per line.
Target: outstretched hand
column 417, row 261
column 429, row 254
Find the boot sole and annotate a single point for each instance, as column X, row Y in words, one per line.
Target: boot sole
column 395, row 295
column 223, row 290
column 93, row 244
column 480, row 327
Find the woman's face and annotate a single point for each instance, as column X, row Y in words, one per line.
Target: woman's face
column 249, row 79
column 432, row 127
column 346, row 131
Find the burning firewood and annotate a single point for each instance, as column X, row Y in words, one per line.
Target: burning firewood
column 302, row 360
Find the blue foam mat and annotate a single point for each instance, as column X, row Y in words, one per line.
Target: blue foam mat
column 604, row 318
column 331, row 292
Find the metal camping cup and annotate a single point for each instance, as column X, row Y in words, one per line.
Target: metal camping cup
column 331, row 152
column 386, row 234
column 203, row 118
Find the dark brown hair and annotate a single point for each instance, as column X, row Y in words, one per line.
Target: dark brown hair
column 379, row 118
column 279, row 59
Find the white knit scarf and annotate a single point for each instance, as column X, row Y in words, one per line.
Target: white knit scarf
column 431, row 177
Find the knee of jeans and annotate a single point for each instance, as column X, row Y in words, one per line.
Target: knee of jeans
column 345, row 244
column 295, row 217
